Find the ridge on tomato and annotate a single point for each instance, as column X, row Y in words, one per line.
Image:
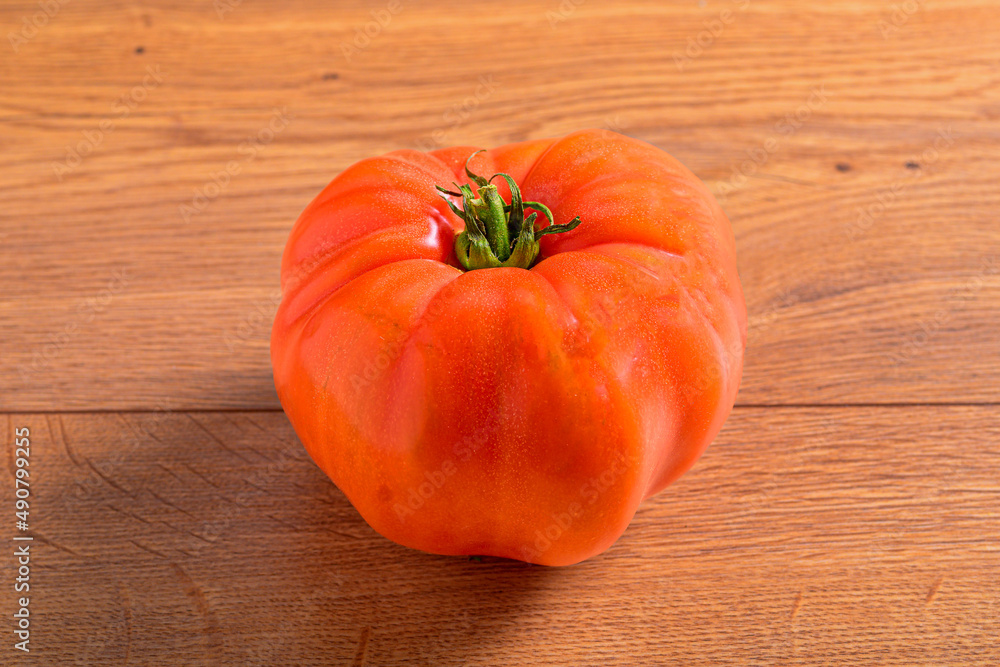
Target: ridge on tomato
column 509, row 366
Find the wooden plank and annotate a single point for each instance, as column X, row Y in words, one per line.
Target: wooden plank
column 804, row 536
column 896, row 306
column 427, row 53
column 180, row 311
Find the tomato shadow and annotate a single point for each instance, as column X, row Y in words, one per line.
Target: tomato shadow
column 384, row 603
column 223, row 525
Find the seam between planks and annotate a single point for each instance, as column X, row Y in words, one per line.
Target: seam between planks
column 743, row 406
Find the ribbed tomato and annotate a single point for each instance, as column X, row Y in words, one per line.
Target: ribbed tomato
column 516, row 388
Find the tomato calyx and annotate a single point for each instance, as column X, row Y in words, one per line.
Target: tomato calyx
column 496, row 233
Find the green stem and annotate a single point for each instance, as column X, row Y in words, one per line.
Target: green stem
column 490, row 224
column 489, row 211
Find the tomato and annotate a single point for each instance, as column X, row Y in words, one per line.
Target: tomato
column 477, row 385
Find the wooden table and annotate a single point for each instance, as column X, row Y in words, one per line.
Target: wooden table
column 848, row 513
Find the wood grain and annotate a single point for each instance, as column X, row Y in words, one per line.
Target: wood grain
column 848, row 513
column 804, row 536
column 882, row 303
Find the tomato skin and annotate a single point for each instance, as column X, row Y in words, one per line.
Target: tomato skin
column 510, row 412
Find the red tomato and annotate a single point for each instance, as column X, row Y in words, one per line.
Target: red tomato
column 521, row 411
